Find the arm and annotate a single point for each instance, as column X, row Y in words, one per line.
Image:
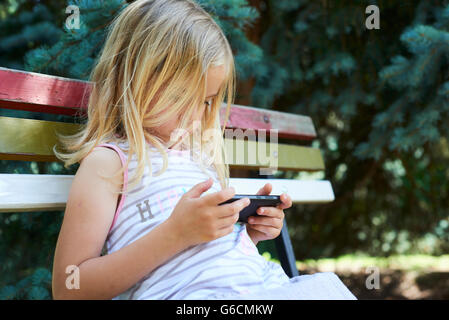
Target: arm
column 88, row 216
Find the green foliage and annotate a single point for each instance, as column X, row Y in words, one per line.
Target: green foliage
column 74, row 54
column 234, row 17
column 25, row 31
column 360, row 261
column 377, row 98
column 37, row 286
column 422, row 101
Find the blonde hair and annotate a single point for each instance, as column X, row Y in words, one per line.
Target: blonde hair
column 158, row 52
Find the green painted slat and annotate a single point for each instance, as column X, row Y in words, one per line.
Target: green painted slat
column 33, row 140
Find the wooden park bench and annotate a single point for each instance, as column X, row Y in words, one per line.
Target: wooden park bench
column 31, row 139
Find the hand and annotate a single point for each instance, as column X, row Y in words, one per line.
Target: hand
column 198, row 219
column 268, row 226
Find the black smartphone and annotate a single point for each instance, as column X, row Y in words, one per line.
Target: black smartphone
column 255, row 203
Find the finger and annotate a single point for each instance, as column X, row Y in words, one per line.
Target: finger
column 286, row 201
column 225, row 231
column 228, row 221
column 199, row 189
column 269, row 231
column 271, row 212
column 232, row 208
column 218, row 197
column 266, row 221
column 265, row 190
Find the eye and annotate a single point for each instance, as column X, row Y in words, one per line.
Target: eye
column 208, row 102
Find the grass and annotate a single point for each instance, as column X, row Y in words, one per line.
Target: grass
column 416, row 276
column 358, row 262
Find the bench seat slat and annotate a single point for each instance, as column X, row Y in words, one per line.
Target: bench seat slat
column 33, row 140
column 301, row 191
column 47, row 192
column 33, row 192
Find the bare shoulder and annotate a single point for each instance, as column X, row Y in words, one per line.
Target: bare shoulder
column 102, row 158
column 99, row 163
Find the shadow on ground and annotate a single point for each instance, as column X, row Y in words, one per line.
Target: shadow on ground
column 396, row 284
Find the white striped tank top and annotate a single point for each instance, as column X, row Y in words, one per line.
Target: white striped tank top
column 225, row 266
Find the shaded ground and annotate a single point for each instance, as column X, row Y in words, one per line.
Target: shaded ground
column 395, row 284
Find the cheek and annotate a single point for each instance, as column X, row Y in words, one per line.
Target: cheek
column 170, row 126
column 166, row 130
column 199, row 114
column 197, row 117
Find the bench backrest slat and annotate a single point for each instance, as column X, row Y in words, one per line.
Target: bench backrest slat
column 33, row 140
column 36, row 92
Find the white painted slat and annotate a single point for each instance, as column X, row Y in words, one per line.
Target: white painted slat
column 33, row 192
column 42, row 192
column 301, row 191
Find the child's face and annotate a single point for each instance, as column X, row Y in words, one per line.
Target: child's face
column 215, row 78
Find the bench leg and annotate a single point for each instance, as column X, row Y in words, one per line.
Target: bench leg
column 284, row 249
column 285, row 252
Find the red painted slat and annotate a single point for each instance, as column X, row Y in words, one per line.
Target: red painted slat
column 41, row 93
column 291, row 126
column 21, row 90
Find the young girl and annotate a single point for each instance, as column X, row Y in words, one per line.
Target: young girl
column 146, row 192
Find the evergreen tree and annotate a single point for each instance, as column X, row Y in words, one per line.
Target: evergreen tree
column 25, row 31
column 74, row 54
column 378, row 99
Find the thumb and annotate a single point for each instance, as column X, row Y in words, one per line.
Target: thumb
column 198, row 189
column 265, row 190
